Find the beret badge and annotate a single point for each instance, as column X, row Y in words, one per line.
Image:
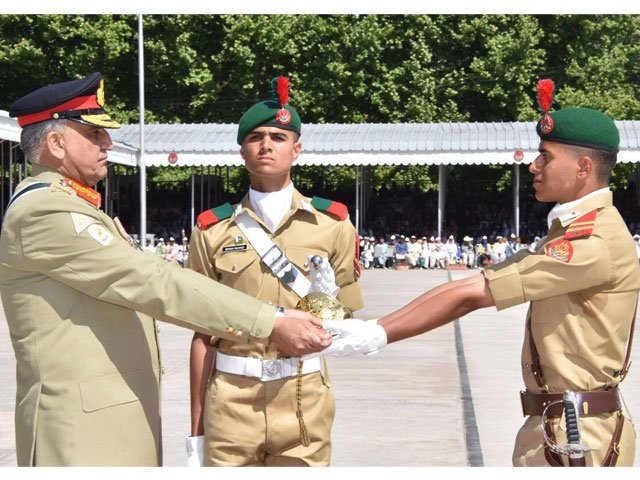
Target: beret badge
column 283, row 116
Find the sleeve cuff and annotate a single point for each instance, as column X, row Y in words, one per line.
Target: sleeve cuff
column 263, row 326
column 505, row 285
column 351, row 296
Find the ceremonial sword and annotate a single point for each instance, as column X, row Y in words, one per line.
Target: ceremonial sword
column 574, row 449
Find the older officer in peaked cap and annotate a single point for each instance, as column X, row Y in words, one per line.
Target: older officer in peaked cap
column 582, row 282
column 252, row 404
column 80, row 298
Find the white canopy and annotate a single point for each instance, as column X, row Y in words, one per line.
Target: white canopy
column 122, row 154
column 362, row 144
column 343, row 144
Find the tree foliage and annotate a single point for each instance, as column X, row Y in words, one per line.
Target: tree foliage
column 343, row 68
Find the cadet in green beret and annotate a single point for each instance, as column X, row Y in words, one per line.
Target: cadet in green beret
column 81, row 299
column 253, row 404
column 582, row 283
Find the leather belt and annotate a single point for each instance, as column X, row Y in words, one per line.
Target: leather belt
column 589, row 403
column 265, row 370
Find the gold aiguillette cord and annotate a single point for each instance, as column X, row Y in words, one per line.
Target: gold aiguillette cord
column 304, row 435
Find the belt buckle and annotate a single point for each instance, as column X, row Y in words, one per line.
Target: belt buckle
column 271, row 368
column 273, row 258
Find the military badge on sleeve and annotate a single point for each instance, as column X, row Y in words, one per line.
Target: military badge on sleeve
column 561, row 250
column 100, row 234
column 81, row 221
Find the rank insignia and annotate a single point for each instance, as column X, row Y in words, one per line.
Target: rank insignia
column 238, row 239
column 561, row 250
column 583, row 226
column 87, row 193
column 100, row 94
column 283, row 116
column 546, row 124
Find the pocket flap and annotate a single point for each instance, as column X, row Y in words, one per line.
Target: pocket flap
column 103, row 392
column 235, row 262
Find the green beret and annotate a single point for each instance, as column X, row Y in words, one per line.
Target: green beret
column 583, row 127
column 269, row 113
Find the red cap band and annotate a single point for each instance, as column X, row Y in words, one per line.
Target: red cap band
column 78, row 103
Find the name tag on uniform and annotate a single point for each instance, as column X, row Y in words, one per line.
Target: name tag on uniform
column 234, row 248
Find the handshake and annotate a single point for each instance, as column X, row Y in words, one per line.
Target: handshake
column 352, row 336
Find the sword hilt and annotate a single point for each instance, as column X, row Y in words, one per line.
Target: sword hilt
column 569, row 402
column 573, row 448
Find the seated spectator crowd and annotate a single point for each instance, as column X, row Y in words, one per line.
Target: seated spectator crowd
column 412, row 252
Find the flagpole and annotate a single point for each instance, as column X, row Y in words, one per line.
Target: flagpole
column 141, row 160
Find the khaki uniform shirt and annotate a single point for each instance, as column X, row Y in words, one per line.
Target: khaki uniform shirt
column 79, row 301
column 303, row 231
column 583, row 293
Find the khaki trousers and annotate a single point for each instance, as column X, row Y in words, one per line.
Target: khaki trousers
column 248, row 422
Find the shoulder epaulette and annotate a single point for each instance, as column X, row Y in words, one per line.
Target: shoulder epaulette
column 213, row 216
column 338, row 209
column 583, row 226
column 86, row 193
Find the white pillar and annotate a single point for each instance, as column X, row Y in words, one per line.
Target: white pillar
column 358, row 188
column 442, row 186
column 516, row 198
column 193, row 198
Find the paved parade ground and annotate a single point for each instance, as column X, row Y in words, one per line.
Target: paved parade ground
column 448, row 398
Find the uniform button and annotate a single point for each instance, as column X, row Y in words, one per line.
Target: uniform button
column 162, row 370
column 258, row 332
column 239, row 333
column 157, row 329
column 229, row 330
column 233, row 269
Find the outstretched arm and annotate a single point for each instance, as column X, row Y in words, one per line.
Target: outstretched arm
column 437, row 307
column 430, row 310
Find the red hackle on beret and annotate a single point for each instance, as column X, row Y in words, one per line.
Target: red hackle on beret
column 282, row 90
column 545, row 94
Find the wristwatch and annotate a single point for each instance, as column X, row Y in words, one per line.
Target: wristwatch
column 280, row 311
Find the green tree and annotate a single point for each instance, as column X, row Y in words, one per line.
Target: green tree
column 36, row 50
column 343, row 68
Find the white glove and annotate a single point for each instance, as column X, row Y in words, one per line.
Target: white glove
column 352, row 336
column 195, row 451
column 323, row 278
